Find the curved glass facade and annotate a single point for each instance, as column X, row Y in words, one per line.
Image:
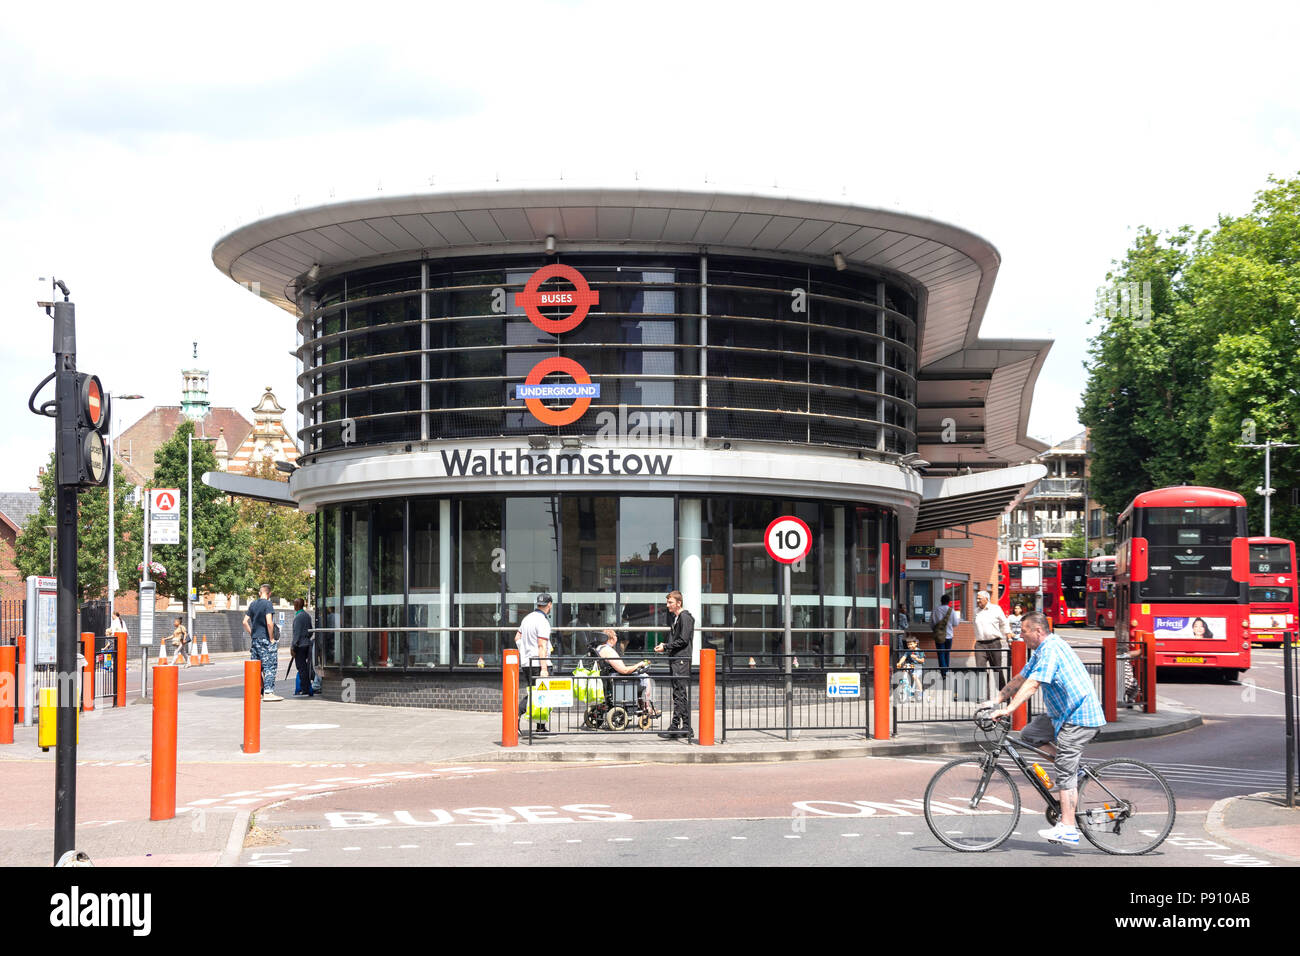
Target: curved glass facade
column 756, row 349
column 442, row 582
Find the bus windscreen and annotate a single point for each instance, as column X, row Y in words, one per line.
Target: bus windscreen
column 1190, row 553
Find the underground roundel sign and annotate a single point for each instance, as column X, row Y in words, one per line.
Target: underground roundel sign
column 534, row 390
column 787, row 539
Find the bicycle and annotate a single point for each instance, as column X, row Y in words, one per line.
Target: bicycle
column 1125, row 807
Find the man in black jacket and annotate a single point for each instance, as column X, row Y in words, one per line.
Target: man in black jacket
column 681, row 637
column 302, row 647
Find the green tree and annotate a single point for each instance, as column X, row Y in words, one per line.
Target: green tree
column 1137, row 403
column 1246, row 285
column 1073, row 546
column 32, row 549
column 221, row 549
column 1170, row 400
column 281, row 540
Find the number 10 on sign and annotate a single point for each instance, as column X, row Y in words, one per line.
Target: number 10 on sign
column 787, row 539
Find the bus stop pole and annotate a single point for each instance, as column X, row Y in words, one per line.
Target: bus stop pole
column 789, row 680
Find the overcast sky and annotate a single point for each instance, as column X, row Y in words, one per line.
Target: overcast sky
column 135, row 136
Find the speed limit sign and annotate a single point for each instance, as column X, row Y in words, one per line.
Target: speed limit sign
column 787, row 539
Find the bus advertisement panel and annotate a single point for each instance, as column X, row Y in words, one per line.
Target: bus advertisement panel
column 1273, row 590
column 1101, row 592
column 1181, row 571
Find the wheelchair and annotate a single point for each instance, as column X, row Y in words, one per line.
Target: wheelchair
column 622, row 705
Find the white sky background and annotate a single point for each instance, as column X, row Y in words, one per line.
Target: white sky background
column 132, row 137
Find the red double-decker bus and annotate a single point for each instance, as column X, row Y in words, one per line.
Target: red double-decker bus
column 1182, row 566
column 1101, row 592
column 1273, row 592
column 1065, row 590
column 1011, row 590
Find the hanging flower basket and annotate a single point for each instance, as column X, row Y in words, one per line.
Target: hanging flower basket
column 155, row 568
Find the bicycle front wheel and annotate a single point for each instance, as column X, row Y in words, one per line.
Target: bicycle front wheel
column 1125, row 807
column 972, row 804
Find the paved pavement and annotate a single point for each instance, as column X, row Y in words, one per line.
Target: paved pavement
column 314, row 745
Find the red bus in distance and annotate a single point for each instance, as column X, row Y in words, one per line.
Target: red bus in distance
column 1065, row 591
column 1101, row 592
column 1273, row 591
column 1182, row 568
column 1010, row 589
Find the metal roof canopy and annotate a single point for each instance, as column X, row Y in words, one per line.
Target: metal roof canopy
column 242, row 486
column 964, row 499
column 992, row 382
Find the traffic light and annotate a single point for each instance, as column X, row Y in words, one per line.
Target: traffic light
column 84, row 456
column 93, row 416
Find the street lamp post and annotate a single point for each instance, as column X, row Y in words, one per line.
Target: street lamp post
column 112, row 535
column 1267, row 489
column 189, row 532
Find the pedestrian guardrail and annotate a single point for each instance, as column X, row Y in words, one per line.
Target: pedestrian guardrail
column 819, row 692
column 575, row 698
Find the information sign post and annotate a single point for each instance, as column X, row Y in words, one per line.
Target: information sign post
column 788, row 539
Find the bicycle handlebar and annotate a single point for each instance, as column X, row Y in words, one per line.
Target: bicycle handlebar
column 988, row 724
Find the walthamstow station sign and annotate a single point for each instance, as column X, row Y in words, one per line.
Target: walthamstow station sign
column 582, row 390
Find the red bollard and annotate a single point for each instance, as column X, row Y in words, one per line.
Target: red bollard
column 880, row 672
column 708, row 678
column 162, row 770
column 119, row 668
column 252, row 707
column 1019, row 716
column 510, row 699
column 1109, row 672
column 8, row 693
column 88, row 671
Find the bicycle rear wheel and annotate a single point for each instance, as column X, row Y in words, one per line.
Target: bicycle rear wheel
column 971, row 806
column 1127, row 809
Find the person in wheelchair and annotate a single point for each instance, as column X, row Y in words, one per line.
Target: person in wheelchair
column 610, row 662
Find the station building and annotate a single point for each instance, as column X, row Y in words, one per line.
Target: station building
column 607, row 394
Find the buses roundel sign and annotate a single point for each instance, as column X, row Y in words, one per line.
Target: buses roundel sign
column 581, row 298
column 787, row 539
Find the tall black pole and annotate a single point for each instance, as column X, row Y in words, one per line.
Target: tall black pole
column 65, row 760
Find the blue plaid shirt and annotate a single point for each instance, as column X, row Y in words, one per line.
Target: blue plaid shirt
column 1066, row 685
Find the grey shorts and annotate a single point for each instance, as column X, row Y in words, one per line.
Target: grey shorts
column 1069, row 746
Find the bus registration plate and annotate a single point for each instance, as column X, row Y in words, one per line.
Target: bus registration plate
column 1189, row 660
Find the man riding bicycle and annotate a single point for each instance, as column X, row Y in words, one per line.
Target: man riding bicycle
column 1073, row 717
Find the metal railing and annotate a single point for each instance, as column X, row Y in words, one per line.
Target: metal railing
column 105, row 672
column 395, row 651
column 762, row 699
column 1291, row 692
column 1056, row 487
column 931, row 694
column 611, row 703
column 12, row 614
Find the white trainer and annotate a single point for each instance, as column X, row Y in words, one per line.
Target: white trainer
column 1065, row 836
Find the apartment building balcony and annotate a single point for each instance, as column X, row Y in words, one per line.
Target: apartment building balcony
column 1056, row 488
column 1040, row 528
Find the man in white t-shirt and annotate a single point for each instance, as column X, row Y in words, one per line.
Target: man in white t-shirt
column 534, row 642
column 991, row 626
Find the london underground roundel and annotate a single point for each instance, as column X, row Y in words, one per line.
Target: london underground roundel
column 787, row 539
column 582, row 396
column 581, row 298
